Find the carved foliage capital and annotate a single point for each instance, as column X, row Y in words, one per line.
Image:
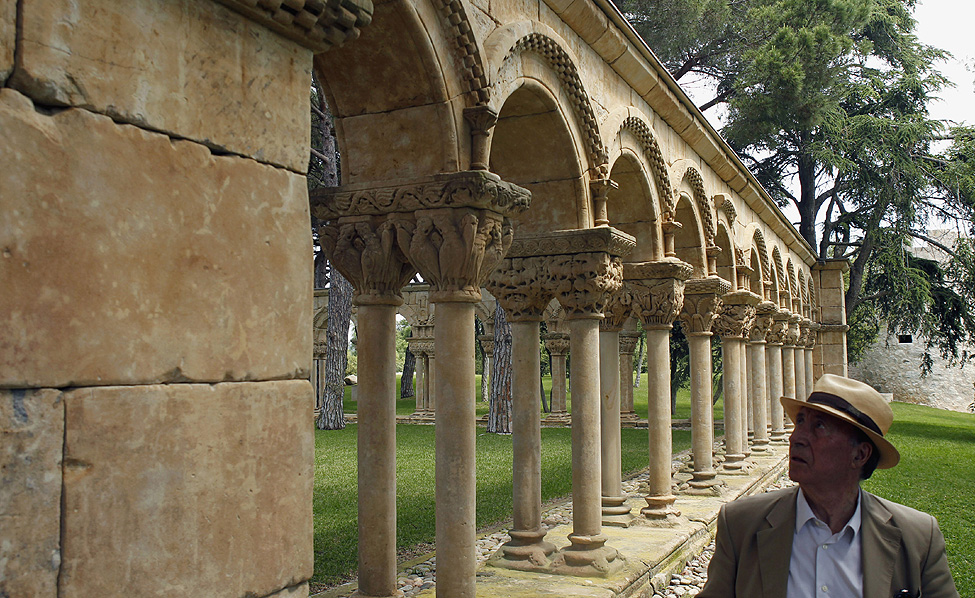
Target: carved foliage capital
column 582, row 282
column 628, row 341
column 762, row 322
column 617, row 311
column 779, row 330
column 455, row 249
column 734, row 320
column 557, row 343
column 698, row 312
column 365, row 251
column 656, row 301
column 521, row 285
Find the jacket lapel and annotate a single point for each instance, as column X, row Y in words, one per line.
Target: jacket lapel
column 775, row 545
column 879, row 546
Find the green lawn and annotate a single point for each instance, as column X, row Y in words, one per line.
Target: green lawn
column 936, row 474
column 335, row 487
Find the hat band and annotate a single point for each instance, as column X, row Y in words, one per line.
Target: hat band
column 841, row 404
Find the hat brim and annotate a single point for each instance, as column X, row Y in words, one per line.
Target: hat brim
column 889, row 456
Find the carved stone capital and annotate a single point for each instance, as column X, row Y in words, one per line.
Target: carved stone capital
column 792, row 332
column 737, row 314
column 617, row 311
column 557, row 343
column 481, row 119
column 421, row 346
column 628, row 341
column 656, row 290
column 487, row 344
column 814, row 328
column 762, row 322
column 455, row 249
column 315, row 24
column 702, row 301
column 583, row 282
column 521, row 285
column 365, row 251
column 779, row 330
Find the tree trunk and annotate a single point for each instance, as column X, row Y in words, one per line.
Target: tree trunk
column 639, row 363
column 406, row 381
column 499, row 408
column 332, row 416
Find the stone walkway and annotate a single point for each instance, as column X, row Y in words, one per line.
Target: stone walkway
column 417, row 577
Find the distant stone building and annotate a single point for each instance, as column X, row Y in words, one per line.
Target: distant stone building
column 893, row 364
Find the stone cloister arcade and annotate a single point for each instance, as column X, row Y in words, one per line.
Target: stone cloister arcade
column 156, row 322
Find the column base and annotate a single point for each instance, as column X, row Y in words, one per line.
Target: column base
column 704, row 483
column 615, row 512
column 779, row 437
column 588, row 556
column 561, row 418
column 629, row 416
column 760, row 446
column 526, row 551
column 660, row 511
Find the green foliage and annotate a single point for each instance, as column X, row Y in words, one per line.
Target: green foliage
column 936, row 474
column 403, row 332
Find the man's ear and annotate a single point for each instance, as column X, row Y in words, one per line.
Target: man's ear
column 862, row 453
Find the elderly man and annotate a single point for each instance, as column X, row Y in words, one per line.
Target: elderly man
column 828, row 538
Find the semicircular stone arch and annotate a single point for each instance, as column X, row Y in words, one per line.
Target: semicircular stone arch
column 693, row 177
column 632, row 204
column 689, row 236
column 764, row 273
column 654, row 158
column 465, row 44
column 564, row 67
column 778, row 277
column 726, row 259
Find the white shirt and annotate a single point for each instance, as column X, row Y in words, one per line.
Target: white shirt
column 824, row 564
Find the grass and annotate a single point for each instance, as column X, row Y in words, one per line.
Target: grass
column 936, row 474
column 335, row 509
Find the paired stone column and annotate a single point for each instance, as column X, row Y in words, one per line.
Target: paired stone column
column 776, row 339
column 758, row 388
column 423, row 348
column 657, row 290
column 702, row 301
column 628, row 342
column 454, row 248
column 487, row 345
column 582, row 281
column 731, row 324
column 800, row 359
column 616, row 312
column 520, row 286
column 557, row 344
column 789, row 380
column 810, row 353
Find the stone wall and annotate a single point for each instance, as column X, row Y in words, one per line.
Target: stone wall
column 155, row 322
column 895, row 367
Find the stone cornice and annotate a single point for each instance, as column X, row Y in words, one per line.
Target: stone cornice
column 668, row 268
column 315, row 24
column 478, row 189
column 569, row 242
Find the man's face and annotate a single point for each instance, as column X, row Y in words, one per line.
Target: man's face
column 823, row 450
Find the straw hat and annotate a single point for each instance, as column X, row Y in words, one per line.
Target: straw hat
column 854, row 402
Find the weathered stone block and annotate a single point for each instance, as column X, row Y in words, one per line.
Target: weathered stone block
column 636, row 72
column 187, row 489
column 31, row 441
column 128, row 257
column 169, row 66
column 298, row 591
column 8, row 37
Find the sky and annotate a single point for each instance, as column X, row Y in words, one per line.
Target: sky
column 947, row 24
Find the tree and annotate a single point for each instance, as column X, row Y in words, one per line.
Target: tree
column 827, row 103
column 499, row 407
column 409, row 367
column 323, row 171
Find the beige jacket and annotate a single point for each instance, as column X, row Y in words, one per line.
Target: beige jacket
column 902, row 549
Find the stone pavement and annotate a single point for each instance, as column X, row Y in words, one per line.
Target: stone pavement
column 660, row 562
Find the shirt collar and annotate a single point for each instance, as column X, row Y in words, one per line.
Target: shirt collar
column 804, row 513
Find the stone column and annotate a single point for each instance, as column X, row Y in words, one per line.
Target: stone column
column 789, row 380
column 616, row 312
column 557, row 344
column 582, row 283
column 746, row 412
column 758, row 388
column 657, row 290
column 702, row 301
column 734, row 319
column 628, row 342
column 519, row 285
column 829, row 353
column 454, row 249
column 349, row 241
column 800, row 359
column 421, row 347
column 776, row 339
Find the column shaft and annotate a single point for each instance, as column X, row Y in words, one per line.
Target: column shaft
column 660, row 497
column 809, row 371
column 759, row 393
column 799, row 356
column 377, row 450
column 731, row 364
column 775, row 390
column 788, row 378
column 558, row 384
column 746, row 410
column 421, row 380
column 455, row 435
column 702, row 416
column 609, row 418
column 586, row 445
column 526, row 437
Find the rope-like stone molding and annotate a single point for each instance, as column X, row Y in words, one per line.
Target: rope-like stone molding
column 315, row 24
column 779, row 268
column 704, row 206
column 759, row 239
column 465, row 44
column 655, row 158
column 568, row 76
